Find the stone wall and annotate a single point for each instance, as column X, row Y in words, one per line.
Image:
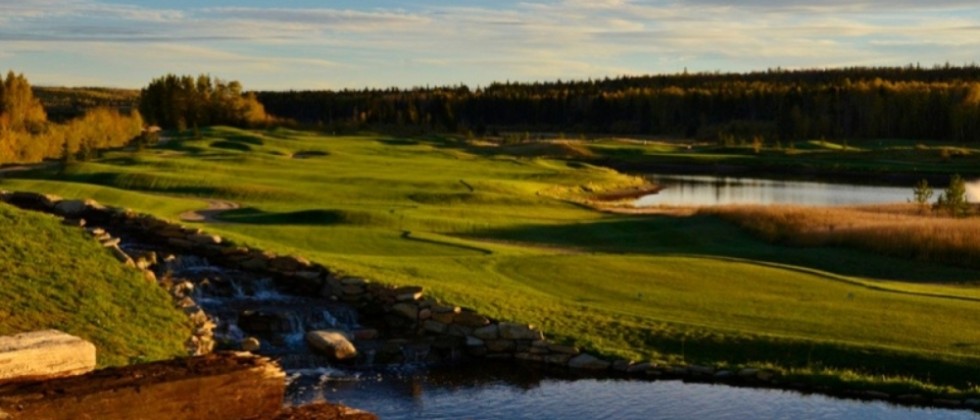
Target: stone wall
column 218, row 386
column 406, row 309
column 44, row 355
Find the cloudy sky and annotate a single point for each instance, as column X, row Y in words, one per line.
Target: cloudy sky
column 381, row 43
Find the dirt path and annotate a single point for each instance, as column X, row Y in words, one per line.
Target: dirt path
column 215, row 207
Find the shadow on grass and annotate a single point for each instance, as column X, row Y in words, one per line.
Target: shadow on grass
column 711, row 237
column 254, row 216
column 407, row 235
column 398, row 142
column 230, row 145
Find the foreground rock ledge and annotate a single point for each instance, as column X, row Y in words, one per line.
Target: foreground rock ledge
column 218, row 386
column 44, row 355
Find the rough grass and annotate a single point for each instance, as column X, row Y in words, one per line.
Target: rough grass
column 56, row 277
column 904, row 231
column 497, row 233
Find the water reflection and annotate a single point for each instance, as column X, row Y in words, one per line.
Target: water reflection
column 712, row 190
column 506, row 392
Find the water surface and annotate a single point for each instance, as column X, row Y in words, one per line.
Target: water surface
column 706, row 190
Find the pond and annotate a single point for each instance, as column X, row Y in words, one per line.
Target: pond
column 694, row 190
column 506, row 392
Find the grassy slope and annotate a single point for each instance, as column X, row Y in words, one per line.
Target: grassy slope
column 57, row 277
column 665, row 288
column 864, row 156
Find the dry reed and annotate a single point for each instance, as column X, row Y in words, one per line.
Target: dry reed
column 904, row 231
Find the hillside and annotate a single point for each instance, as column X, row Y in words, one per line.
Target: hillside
column 55, row 276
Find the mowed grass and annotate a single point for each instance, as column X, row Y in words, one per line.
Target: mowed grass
column 57, row 277
column 484, row 228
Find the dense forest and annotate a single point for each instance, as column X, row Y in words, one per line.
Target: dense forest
column 183, row 102
column 941, row 103
column 26, row 134
column 66, row 103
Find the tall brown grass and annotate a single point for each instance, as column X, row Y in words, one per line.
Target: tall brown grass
column 904, row 231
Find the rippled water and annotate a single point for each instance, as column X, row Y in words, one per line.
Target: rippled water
column 712, row 190
column 506, row 394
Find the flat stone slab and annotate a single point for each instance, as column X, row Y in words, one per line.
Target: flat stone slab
column 44, row 354
column 217, row 386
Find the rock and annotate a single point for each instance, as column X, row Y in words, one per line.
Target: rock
column 748, row 373
column 513, row 331
column 406, row 310
column 701, row 370
column 226, row 386
column 500, row 346
column 202, row 239
column 911, row 398
column 121, row 256
column 73, row 222
column 765, row 375
column 289, row 263
column 444, row 309
column 444, row 317
column 74, row 208
column 474, row 342
column 351, row 290
column 111, row 242
column 529, row 357
column 972, row 403
column 471, row 319
column 622, row 365
column 365, row 334
column 563, row 349
column 557, row 359
column 946, row 402
column 353, row 281
column 434, row 327
column 251, row 344
column 44, row 354
column 426, row 313
column 180, row 243
column 724, row 374
column 254, row 264
column 96, row 231
column 332, row 343
column 638, row 368
column 407, row 293
column 459, row 331
column 490, row 332
column 877, row 395
column 588, row 362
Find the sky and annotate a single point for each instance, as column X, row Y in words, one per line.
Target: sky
column 380, row 43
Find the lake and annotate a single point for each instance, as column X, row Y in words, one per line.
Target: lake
column 704, row 190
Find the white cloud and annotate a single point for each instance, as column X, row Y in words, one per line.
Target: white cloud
column 476, row 44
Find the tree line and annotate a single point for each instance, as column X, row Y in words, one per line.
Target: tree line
column 27, row 136
column 182, row 102
column 939, row 103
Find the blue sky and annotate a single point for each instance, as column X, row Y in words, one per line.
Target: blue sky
column 381, row 43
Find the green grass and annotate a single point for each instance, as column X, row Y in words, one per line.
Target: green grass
column 480, row 227
column 871, row 157
column 57, row 277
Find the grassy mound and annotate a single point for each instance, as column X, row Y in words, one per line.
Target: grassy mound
column 56, row 277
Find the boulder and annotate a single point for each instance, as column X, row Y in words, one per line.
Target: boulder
column 407, row 293
column 588, row 362
column 490, row 332
column 471, row 319
column 474, row 342
column 251, row 344
column 513, row 331
column 434, row 327
column 44, row 354
column 74, row 208
column 501, row 346
column 203, row 239
column 563, row 349
column 406, row 310
column 333, row 343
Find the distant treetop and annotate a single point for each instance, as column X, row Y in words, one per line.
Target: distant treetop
column 180, row 102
